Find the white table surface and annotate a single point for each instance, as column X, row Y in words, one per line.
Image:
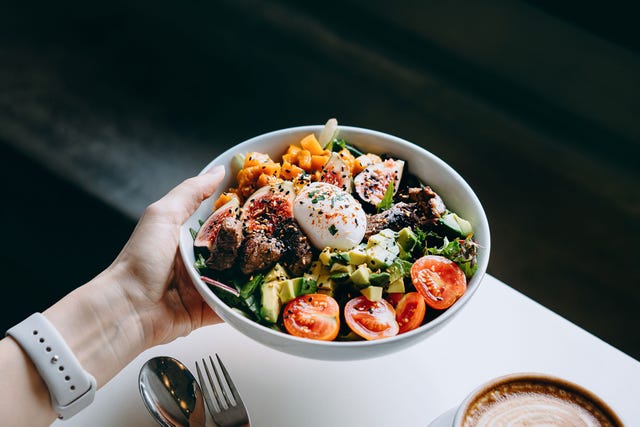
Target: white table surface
column 500, row 331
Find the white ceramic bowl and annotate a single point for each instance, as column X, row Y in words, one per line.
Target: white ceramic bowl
column 445, row 181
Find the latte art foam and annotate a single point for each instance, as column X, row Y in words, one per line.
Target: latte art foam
column 533, row 409
column 534, row 404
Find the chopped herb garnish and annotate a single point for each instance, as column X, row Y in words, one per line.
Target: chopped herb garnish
column 317, row 199
column 333, row 230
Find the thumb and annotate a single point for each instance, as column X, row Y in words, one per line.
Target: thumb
column 183, row 200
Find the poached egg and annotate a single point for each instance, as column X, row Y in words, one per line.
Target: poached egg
column 329, row 216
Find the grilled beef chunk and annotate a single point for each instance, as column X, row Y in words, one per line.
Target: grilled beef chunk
column 417, row 207
column 298, row 254
column 259, row 252
column 225, row 247
column 430, row 204
column 396, row 218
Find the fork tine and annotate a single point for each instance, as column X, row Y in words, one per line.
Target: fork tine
column 229, row 381
column 205, row 392
column 227, row 411
column 223, row 403
column 228, row 402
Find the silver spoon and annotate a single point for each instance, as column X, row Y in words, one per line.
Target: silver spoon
column 171, row 393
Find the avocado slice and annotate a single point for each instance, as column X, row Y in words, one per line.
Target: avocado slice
column 289, row 289
column 325, row 282
column 316, row 270
column 458, row 225
column 342, row 268
column 358, row 255
column 396, row 286
column 360, row 277
column 385, row 238
column 379, row 257
column 407, row 239
column 277, row 273
column 271, row 305
column 325, row 256
column 372, row 293
column 379, row 279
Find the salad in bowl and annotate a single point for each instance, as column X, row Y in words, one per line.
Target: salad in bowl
column 336, row 242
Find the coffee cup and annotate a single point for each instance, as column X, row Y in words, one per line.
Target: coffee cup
column 528, row 399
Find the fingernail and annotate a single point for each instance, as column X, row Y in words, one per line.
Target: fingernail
column 215, row 170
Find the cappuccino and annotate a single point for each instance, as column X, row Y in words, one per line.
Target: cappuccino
column 535, row 400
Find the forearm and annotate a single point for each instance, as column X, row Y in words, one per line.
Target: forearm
column 101, row 328
column 100, row 325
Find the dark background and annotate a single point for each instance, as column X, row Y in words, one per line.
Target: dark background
column 104, row 106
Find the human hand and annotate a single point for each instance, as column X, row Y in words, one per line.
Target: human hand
column 151, row 270
column 143, row 298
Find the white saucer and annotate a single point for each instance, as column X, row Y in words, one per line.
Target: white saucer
column 444, row 420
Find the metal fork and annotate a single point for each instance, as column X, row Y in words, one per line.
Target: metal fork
column 222, row 397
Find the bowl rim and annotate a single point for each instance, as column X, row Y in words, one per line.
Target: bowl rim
column 227, row 313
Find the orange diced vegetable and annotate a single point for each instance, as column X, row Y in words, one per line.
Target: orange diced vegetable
column 293, row 149
column 289, row 171
column 290, row 157
column 311, row 144
column 254, row 158
column 304, row 160
column 272, row 169
column 265, row 179
column 317, row 162
column 224, row 198
column 364, row 161
column 247, row 178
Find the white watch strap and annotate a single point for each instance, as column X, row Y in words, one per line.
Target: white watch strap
column 70, row 386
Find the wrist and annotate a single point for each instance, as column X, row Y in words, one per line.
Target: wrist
column 100, row 325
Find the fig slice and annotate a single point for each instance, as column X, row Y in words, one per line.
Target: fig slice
column 371, row 184
column 209, row 229
column 268, row 206
column 337, row 172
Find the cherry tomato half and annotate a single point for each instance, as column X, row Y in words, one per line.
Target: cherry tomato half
column 410, row 311
column 439, row 280
column 314, row 316
column 371, row 320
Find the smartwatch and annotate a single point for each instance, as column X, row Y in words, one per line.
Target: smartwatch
column 71, row 387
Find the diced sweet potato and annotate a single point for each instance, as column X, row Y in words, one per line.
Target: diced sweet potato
column 224, row 198
column 318, row 161
column 254, row 158
column 289, row 171
column 304, row 160
column 311, row 144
